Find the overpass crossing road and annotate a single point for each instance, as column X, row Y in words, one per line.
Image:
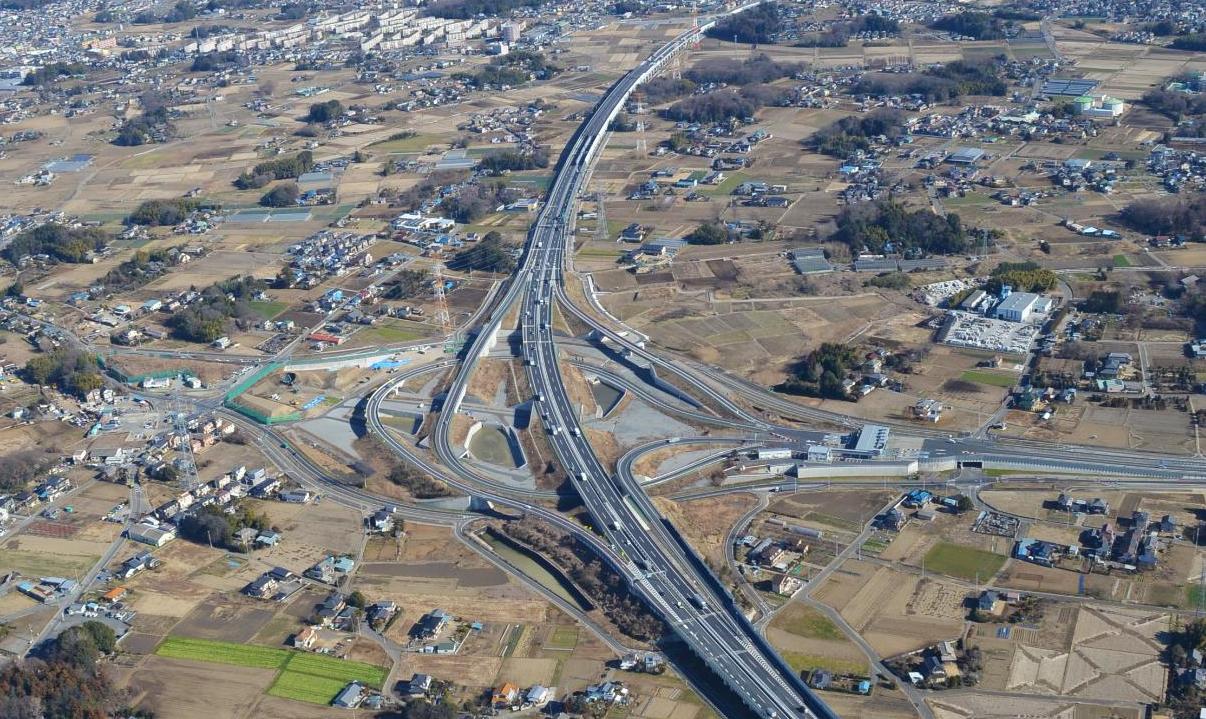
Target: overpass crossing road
column 657, row 563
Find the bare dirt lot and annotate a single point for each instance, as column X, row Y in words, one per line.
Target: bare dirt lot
column 1094, row 652
column 894, row 611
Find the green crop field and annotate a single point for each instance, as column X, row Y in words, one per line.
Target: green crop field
column 563, row 638
column 1122, row 261
column 207, row 650
column 389, row 335
column 268, row 310
column 313, row 678
column 306, row 688
column 320, row 665
column 807, row 662
column 996, row 379
column 804, row 621
column 414, row 143
column 963, row 562
column 874, row 546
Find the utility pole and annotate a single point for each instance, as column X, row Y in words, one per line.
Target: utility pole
column 442, row 316
column 188, row 479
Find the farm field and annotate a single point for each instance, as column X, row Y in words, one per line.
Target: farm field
column 302, row 676
column 963, row 562
column 218, row 652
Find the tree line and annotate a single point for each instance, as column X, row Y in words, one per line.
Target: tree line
column 821, row 371
column 65, row 679
column 1175, row 105
column 596, row 579
column 887, row 227
column 728, row 71
column 490, row 254
column 71, row 371
column 759, row 25
column 213, row 526
column 159, row 213
column 63, row 243
column 209, row 317
column 19, row 469
column 839, row 33
column 513, row 69
column 279, row 169
column 419, row 484
column 502, row 161
column 140, row 269
column 1021, row 276
column 49, row 73
column 1170, row 216
column 941, row 83
column 978, row 25
column 848, row 134
column 474, row 202
column 722, row 105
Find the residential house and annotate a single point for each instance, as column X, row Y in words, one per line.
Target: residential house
column 262, row 587
column 305, row 638
column 785, row 585
column 350, row 696
column 505, row 695
column 431, row 624
column 418, row 685
column 538, row 696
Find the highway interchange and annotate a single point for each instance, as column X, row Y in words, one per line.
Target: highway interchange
column 628, row 530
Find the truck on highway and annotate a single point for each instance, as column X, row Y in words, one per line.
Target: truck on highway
column 577, row 432
column 698, row 600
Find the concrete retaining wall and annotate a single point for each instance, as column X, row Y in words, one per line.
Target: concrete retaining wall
column 846, row 469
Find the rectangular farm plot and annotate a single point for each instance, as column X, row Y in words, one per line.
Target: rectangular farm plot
column 311, row 678
column 963, row 562
column 317, row 679
column 208, row 650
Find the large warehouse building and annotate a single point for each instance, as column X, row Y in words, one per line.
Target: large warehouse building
column 1017, row 307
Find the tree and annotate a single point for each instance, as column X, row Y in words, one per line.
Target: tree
column 758, row 25
column 1105, row 302
column 978, row 25
column 964, row 503
column 821, row 371
column 206, row 528
column 283, row 195
column 73, row 372
column 357, row 599
column 711, row 233
column 324, row 112
column 83, row 644
column 407, row 284
column 854, row 133
column 488, row 255
column 62, row 243
column 887, row 227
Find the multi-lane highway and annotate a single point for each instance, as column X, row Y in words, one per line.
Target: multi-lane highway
column 657, row 563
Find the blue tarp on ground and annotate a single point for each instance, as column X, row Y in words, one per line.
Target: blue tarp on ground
column 389, row 364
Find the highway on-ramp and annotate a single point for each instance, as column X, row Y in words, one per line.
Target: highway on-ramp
column 658, row 564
